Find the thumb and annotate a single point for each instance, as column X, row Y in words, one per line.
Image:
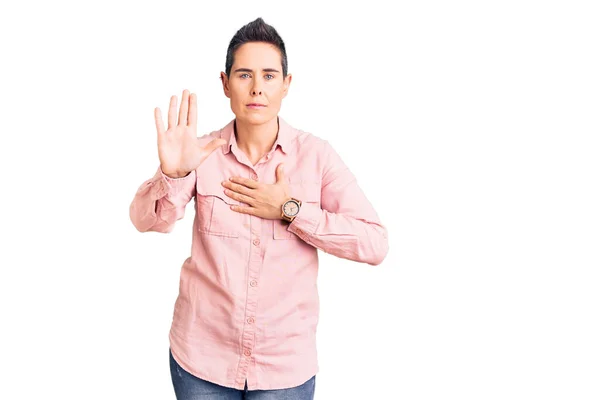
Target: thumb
column 214, row 144
column 279, row 173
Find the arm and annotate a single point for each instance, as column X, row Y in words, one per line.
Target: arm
column 346, row 225
column 160, row 201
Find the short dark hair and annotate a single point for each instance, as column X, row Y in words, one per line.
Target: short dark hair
column 256, row 31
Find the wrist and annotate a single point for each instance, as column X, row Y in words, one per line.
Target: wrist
column 290, row 209
column 178, row 176
column 175, row 174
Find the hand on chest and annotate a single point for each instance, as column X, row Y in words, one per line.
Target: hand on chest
column 259, row 198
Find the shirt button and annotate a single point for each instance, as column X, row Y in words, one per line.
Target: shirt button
column 252, row 283
column 250, row 320
column 247, row 352
column 256, row 242
column 255, row 177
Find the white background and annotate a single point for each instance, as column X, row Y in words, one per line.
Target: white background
column 471, row 126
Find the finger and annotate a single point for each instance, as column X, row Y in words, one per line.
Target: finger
column 213, row 144
column 160, row 125
column 279, row 173
column 243, row 181
column 244, row 210
column 193, row 114
column 239, row 188
column 172, row 112
column 239, row 197
column 183, row 109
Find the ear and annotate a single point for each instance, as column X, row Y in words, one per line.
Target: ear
column 225, row 83
column 286, row 84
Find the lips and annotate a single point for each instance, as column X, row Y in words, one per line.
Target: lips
column 255, row 105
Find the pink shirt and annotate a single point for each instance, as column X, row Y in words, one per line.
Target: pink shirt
column 248, row 304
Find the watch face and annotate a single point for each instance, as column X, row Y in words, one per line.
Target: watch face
column 290, row 208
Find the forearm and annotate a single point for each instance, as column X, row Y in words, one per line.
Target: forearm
column 353, row 238
column 160, row 201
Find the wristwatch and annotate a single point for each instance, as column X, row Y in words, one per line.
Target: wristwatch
column 290, row 209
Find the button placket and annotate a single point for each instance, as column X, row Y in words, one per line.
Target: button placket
column 250, row 311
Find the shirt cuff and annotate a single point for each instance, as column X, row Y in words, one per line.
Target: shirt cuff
column 307, row 219
column 162, row 185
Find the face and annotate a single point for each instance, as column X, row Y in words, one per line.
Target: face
column 256, row 77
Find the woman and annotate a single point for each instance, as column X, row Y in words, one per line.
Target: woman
column 267, row 197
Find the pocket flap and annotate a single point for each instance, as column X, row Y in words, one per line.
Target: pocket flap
column 205, row 186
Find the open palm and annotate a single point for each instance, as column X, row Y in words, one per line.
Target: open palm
column 179, row 149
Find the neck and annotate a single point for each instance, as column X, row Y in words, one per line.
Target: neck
column 256, row 140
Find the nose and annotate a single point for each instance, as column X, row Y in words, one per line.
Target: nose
column 256, row 90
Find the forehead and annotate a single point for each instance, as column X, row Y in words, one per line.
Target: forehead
column 257, row 55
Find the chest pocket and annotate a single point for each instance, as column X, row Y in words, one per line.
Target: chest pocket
column 308, row 193
column 215, row 217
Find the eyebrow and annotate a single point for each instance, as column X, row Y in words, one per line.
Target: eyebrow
column 249, row 70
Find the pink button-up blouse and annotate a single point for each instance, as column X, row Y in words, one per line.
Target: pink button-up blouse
column 248, row 305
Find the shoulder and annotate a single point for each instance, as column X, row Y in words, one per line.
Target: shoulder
column 308, row 141
column 222, row 133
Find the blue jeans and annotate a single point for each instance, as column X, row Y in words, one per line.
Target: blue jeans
column 190, row 387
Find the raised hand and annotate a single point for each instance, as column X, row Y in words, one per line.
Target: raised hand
column 179, row 149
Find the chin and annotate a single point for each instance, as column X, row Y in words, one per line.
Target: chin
column 255, row 118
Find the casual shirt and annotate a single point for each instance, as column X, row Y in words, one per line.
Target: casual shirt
column 248, row 306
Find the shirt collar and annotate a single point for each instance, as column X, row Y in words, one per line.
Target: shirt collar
column 284, row 136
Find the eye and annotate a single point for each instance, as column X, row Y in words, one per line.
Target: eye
column 268, row 75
